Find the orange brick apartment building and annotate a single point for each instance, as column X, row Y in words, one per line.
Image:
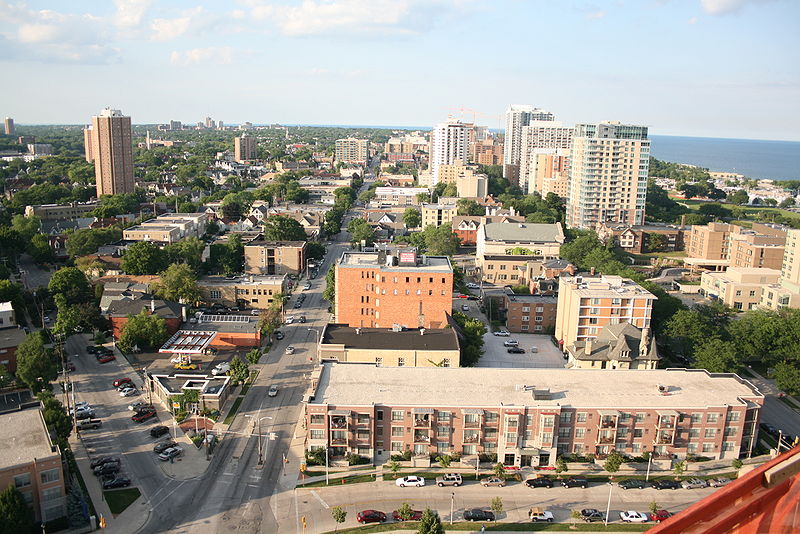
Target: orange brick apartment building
column 376, row 289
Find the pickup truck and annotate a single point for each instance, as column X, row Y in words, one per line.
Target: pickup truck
column 449, row 479
column 85, row 424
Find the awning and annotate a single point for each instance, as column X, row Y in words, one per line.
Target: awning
column 667, row 413
column 612, row 413
column 472, row 411
column 423, row 410
column 340, row 412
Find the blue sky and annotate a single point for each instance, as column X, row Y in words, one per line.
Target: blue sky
column 719, row 68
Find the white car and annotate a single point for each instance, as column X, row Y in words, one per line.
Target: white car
column 176, row 359
column 289, row 350
column 410, row 481
column 632, row 516
column 502, row 333
column 290, row 319
column 511, row 343
column 221, row 369
column 172, row 452
column 82, row 405
column 128, row 392
column 464, row 307
column 473, row 285
column 272, row 391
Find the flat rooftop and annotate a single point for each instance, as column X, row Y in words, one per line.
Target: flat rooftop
column 430, row 264
column 241, row 280
column 359, row 385
column 605, row 286
column 28, row 440
column 385, row 339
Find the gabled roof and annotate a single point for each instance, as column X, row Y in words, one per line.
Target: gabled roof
column 524, row 232
column 618, row 342
column 163, row 308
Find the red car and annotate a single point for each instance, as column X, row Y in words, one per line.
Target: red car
column 660, row 516
column 416, row 515
column 105, row 358
column 119, row 381
column 143, row 416
column 370, row 516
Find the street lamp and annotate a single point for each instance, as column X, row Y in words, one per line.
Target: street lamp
column 260, row 457
column 649, row 461
column 608, row 506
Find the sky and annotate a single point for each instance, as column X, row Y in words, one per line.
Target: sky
column 708, row 68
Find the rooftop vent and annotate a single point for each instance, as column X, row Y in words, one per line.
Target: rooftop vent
column 397, row 328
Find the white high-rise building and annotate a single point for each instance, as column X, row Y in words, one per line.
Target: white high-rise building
column 518, row 116
column 608, row 174
column 449, row 145
column 540, row 137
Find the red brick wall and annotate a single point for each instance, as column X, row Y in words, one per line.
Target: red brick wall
column 468, row 237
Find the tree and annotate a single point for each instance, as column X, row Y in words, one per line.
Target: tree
column 88, row 240
column 71, row 284
column 339, row 515
column 412, row 218
column 737, row 463
column 679, row 468
column 253, row 356
column 144, row 331
column 361, row 231
column 561, row 464
column 40, row 250
column 575, row 515
column 656, row 242
column 394, row 467
column 35, row 367
column 270, row 319
column 500, row 470
column 16, row 517
column 430, row 523
column 144, row 257
column 472, row 346
column 613, row 462
column 283, row 228
column 444, row 460
column 497, row 506
column 240, row 370
column 576, row 250
column 653, row 506
column 26, row 227
column 55, row 416
column 179, row 284
column 440, row 240
column 466, row 206
column 188, row 251
column 787, row 202
column 787, row 377
column 717, row 356
column 315, row 250
column 405, row 512
column 329, row 293
column 739, row 197
column 5, row 377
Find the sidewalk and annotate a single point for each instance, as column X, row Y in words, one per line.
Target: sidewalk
column 769, row 387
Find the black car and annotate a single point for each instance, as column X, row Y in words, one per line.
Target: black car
column 158, row 431
column 106, row 469
column 116, row 482
column 104, row 460
column 632, row 483
column 279, row 335
column 666, row 484
column 302, row 318
column 298, row 304
column 540, row 482
column 590, row 515
column 516, row 350
column 575, row 482
column 91, row 349
column 164, row 445
column 476, row 514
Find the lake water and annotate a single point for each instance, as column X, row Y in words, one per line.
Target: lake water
column 776, row 160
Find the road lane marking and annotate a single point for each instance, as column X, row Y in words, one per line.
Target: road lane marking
column 320, row 499
column 167, row 496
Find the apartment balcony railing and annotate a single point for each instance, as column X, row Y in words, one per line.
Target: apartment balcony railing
column 605, row 439
column 418, row 438
column 422, row 422
column 471, row 439
column 338, row 423
column 339, row 441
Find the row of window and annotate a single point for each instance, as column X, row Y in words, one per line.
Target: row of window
column 395, row 279
column 24, row 480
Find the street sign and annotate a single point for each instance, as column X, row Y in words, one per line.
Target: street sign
column 176, row 405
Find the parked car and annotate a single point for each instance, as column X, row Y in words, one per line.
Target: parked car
column 694, row 483
column 632, row 483
column 631, row 516
column 493, row 481
column 221, row 369
column 128, row 392
column 272, row 391
column 410, row 481
column 105, row 358
column 516, row 350
column 80, row 415
column 476, row 514
column 510, row 343
column 590, row 515
column 278, row 335
column 449, row 479
column 186, row 366
column 719, row 482
column 138, row 406
column 116, row 482
column 465, row 307
column 103, row 460
column 575, row 482
column 666, row 484
column 473, row 285
column 86, row 424
column 370, row 516
column 82, row 404
column 158, row 431
column 416, row 515
column 91, row 349
column 108, row 468
column 158, row 448
column 121, row 382
column 289, row 350
column 501, row 333
column 540, row 482
column 298, row 304
column 144, row 415
column 537, row 514
column 660, row 515
column 170, row 453
column 302, row 318
column 290, row 319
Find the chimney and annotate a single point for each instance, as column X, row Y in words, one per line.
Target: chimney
column 588, row 349
column 644, row 342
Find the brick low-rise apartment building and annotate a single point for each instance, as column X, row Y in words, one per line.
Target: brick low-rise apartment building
column 530, row 314
column 379, row 290
column 275, row 257
column 529, row 416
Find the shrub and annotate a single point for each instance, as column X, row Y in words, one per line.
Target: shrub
column 487, row 458
column 356, row 459
column 315, row 457
column 402, row 457
column 181, row 416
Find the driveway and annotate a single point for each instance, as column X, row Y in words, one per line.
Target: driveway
column 495, row 354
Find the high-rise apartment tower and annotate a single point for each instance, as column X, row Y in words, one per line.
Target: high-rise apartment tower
column 112, row 149
column 518, row 116
column 449, row 145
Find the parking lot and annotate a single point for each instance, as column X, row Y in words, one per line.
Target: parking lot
column 495, row 354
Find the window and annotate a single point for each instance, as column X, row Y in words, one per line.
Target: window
column 512, row 421
column 442, row 431
column 397, row 431
column 565, row 418
column 362, row 419
column 694, row 433
column 442, row 447
column 712, row 418
column 691, row 448
column 730, row 431
column 511, row 437
column 470, row 418
column 490, row 447
column 710, row 433
column 564, row 432
column 526, row 318
column 317, row 419
column 708, row 447
column 51, row 494
column 397, row 446
column 379, row 415
column 696, row 418
column 548, row 421
column 727, row 445
column 579, row 432
column 216, row 294
column 362, row 435
column 490, row 433
column 401, row 362
column 733, row 417
column 490, row 417
column 638, row 433
column 443, row 416
column 625, row 417
column 640, row 418
column 622, row 433
column 470, row 450
column 397, row 415
column 22, row 481
column 581, row 417
column 317, row 434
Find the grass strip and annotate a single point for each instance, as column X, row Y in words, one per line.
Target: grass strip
column 502, row 527
column 342, row 481
column 119, row 500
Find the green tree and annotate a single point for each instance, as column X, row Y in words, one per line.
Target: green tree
column 179, row 284
column 653, row 507
column 405, row 512
column 440, row 240
column 26, row 227
column 188, row 251
column 576, row 250
column 35, row 367
column 40, row 250
column 71, row 284
column 737, row 463
column 444, row 460
column 500, row 470
column 339, row 516
column 717, row 356
column 5, row 377
column 144, row 331
column 787, row 377
column 361, row 231
column 473, row 331
column 144, row 257
column 680, row 468
column 739, row 197
column 613, row 462
column 88, row 240
column 282, row 228
column 412, row 218
column 55, row 416
column 329, row 293
column 253, row 356
column 496, row 506
column 270, row 319
column 656, row 242
column 466, row 206
column 315, row 250
column 561, row 464
column 240, row 370
column 394, row 467
column 16, row 517
column 430, row 523
column 787, row 202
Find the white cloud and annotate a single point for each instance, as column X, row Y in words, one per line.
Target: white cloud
column 130, row 12
column 197, row 56
column 167, row 29
column 725, row 7
column 595, row 15
column 692, row 20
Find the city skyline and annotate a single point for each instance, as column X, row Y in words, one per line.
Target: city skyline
column 715, row 68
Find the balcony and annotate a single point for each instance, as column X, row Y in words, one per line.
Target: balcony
column 608, row 423
column 605, row 439
column 422, row 437
column 339, row 441
column 471, row 438
column 422, row 422
column 338, row 421
column 472, row 424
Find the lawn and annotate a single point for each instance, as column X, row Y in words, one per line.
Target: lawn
column 339, row 481
column 504, row 527
column 119, row 500
column 234, row 409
